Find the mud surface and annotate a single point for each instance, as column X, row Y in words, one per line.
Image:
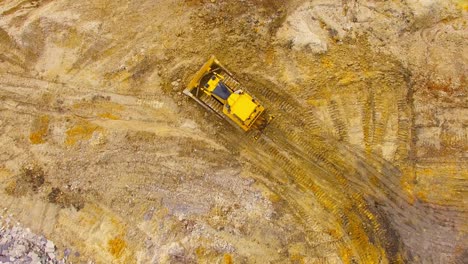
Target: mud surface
column 365, row 161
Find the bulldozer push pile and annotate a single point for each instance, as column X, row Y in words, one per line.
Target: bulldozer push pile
column 215, row 88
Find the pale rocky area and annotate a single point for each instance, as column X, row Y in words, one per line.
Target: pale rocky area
column 19, row 245
column 102, row 155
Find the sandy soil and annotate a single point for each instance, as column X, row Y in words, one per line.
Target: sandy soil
column 365, row 161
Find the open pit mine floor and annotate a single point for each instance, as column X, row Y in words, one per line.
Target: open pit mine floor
column 103, row 159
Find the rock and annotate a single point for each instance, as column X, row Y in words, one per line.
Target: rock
column 148, row 243
column 175, row 249
column 20, row 250
column 33, row 256
column 50, row 247
column 51, row 255
column 175, row 85
column 149, row 215
column 20, row 245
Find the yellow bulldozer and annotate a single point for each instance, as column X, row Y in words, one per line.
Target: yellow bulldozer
column 215, row 88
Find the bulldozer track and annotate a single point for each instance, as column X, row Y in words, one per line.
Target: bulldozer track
column 304, row 178
column 295, row 141
column 315, row 153
column 381, row 121
column 293, row 173
column 212, row 103
column 404, row 131
column 338, row 122
column 232, row 83
column 367, row 123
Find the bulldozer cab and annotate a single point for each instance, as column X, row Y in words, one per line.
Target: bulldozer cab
column 218, row 89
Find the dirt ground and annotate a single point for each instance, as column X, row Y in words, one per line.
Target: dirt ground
column 365, row 161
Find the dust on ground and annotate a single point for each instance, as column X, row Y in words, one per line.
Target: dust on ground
column 365, row 161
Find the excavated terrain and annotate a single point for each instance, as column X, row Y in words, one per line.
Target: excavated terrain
column 364, row 162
